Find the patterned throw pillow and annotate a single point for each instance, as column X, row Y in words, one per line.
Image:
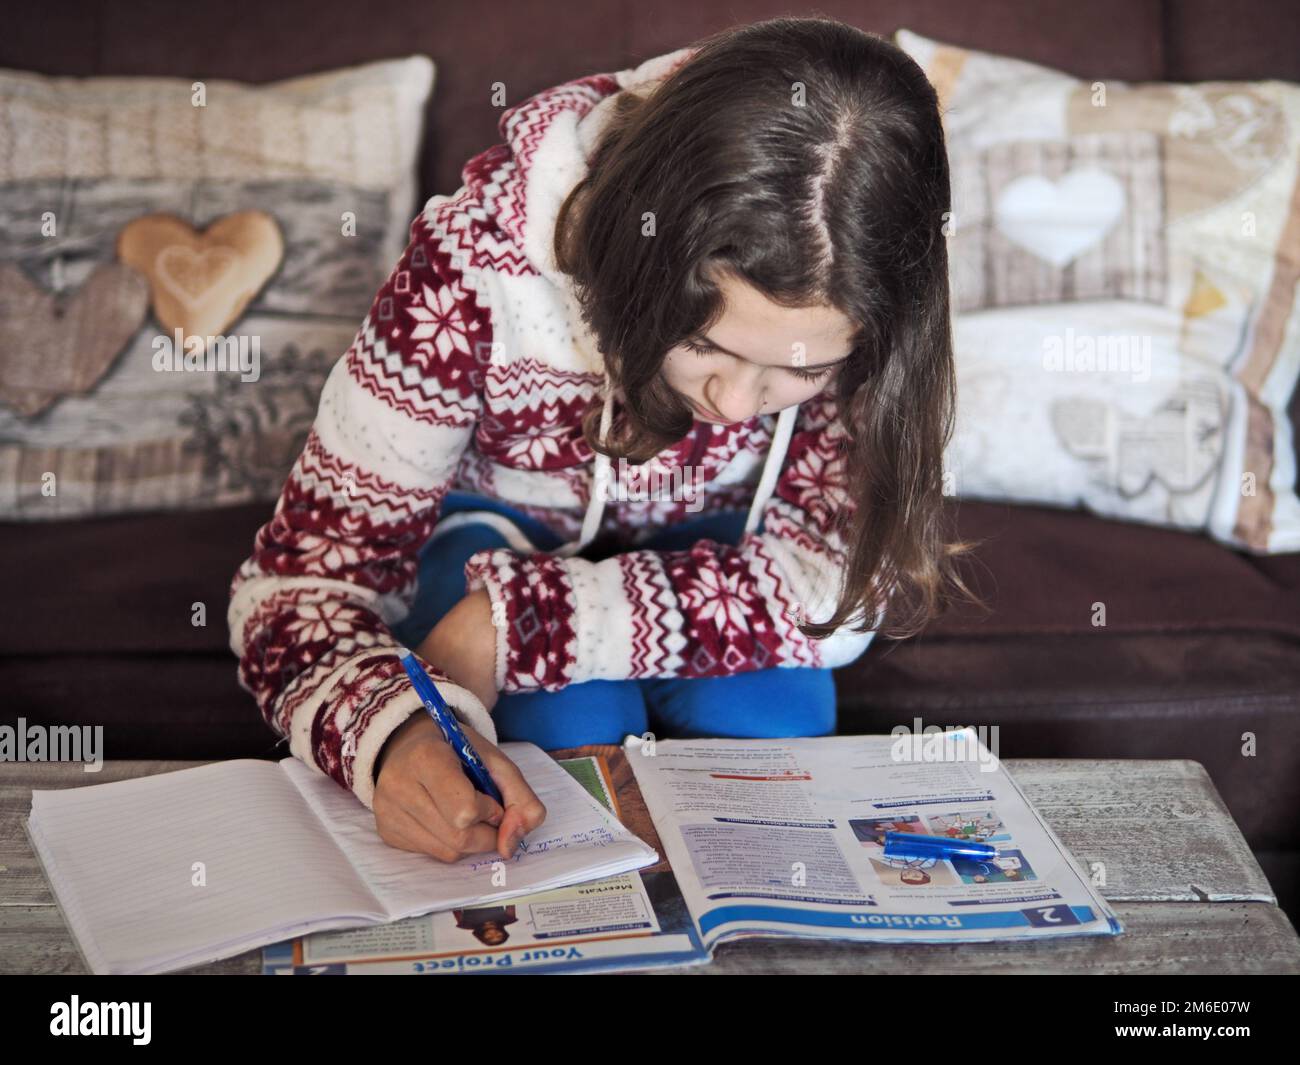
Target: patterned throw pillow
column 1124, row 269
column 181, row 263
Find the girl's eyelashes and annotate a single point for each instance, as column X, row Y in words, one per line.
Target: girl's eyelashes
column 804, row 375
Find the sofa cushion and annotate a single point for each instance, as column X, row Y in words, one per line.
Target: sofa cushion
column 127, row 584
column 1042, row 569
column 131, row 583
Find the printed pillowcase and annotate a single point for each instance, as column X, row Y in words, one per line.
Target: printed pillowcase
column 1124, row 265
column 137, row 214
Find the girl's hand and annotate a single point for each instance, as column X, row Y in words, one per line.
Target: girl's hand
column 463, row 646
column 424, row 802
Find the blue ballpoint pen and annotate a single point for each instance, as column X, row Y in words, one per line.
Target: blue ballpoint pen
column 912, row 845
column 442, row 714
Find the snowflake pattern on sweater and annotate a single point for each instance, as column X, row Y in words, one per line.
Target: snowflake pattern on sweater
column 472, row 370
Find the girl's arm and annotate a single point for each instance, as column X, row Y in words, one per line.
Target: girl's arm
column 337, row 563
column 713, row 610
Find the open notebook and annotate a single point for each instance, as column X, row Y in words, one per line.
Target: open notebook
column 168, row 871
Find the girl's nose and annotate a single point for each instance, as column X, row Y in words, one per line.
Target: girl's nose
column 736, row 399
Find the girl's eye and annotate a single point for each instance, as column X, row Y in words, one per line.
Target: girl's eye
column 803, row 375
column 811, row 375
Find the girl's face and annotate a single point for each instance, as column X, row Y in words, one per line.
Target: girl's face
column 759, row 358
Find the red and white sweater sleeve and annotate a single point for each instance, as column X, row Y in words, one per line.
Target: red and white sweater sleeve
column 715, row 609
column 310, row 609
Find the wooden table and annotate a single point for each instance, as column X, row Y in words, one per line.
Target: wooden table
column 1187, row 888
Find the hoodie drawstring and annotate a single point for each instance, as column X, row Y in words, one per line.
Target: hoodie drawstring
column 599, row 484
column 772, row 467
column 776, row 453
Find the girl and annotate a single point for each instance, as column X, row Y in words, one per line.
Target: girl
column 721, row 273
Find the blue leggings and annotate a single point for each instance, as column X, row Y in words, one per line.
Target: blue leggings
column 790, row 701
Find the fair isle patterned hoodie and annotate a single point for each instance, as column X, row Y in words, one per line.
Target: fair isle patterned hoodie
column 472, row 371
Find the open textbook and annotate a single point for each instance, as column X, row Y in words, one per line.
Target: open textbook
column 771, row 838
column 786, row 838
column 169, row 871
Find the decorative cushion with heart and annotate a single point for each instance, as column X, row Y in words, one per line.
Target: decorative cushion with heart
column 1124, row 266
column 264, row 214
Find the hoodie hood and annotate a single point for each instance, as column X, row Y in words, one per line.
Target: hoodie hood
column 551, row 137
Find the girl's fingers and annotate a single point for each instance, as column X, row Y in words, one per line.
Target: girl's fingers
column 458, row 801
column 524, row 811
column 474, row 839
column 447, row 807
column 403, row 829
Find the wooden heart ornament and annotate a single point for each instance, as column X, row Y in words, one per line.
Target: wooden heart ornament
column 201, row 282
column 53, row 346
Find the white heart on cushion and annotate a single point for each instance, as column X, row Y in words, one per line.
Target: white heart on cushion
column 1057, row 221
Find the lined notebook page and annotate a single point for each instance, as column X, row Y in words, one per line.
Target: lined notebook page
column 579, row 840
column 121, row 856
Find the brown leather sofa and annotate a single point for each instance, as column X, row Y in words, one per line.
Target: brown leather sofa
column 1202, row 645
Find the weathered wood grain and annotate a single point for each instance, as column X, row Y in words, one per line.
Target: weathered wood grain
column 1158, row 828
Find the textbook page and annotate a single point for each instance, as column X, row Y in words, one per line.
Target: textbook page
column 579, row 841
column 785, row 837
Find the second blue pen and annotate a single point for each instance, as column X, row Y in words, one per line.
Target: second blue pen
column 911, row 845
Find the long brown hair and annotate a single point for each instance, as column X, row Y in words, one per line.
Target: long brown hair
column 806, row 158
